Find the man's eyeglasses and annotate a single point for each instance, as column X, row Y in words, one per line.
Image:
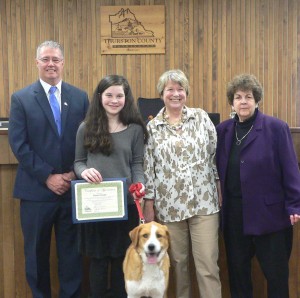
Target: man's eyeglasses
column 48, row 59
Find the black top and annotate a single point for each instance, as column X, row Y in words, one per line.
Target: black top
column 233, row 181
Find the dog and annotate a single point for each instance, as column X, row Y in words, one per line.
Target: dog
column 146, row 265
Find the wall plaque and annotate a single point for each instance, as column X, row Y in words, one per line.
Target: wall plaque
column 133, row 29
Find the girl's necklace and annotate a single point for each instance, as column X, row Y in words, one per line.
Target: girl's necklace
column 114, row 130
column 239, row 141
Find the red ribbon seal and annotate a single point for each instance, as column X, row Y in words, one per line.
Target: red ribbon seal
column 135, row 189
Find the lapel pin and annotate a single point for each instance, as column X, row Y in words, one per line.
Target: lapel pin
column 65, row 104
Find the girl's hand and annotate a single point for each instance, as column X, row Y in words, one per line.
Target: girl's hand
column 138, row 191
column 91, row 175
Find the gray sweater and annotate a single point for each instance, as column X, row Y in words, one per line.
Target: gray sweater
column 126, row 160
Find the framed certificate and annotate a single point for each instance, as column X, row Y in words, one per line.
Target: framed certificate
column 105, row 201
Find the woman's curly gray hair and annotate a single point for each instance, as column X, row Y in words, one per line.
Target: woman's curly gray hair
column 244, row 82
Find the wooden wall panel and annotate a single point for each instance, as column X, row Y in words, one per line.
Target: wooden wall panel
column 211, row 40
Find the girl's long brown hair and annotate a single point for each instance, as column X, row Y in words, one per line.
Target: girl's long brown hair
column 97, row 137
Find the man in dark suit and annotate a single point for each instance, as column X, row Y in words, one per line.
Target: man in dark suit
column 45, row 153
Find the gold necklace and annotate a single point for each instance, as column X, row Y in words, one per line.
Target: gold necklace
column 239, row 141
column 176, row 125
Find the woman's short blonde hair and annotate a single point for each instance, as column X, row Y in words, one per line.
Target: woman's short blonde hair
column 176, row 76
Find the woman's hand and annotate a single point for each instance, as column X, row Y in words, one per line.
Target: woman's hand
column 91, row 175
column 148, row 210
column 219, row 193
column 294, row 218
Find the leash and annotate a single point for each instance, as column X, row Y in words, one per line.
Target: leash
column 135, row 189
column 138, row 206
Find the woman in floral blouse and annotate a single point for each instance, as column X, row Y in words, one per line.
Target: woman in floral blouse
column 181, row 183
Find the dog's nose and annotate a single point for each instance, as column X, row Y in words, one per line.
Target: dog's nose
column 151, row 247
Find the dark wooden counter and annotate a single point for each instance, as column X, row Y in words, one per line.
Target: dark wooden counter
column 295, row 131
column 6, row 155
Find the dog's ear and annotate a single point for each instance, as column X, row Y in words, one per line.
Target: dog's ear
column 167, row 234
column 134, row 235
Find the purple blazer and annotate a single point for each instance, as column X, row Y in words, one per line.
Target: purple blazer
column 269, row 173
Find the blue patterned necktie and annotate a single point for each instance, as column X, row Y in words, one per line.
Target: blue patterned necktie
column 55, row 108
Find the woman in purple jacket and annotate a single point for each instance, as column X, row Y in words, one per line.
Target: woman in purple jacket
column 260, row 183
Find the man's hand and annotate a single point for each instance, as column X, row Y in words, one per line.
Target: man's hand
column 69, row 176
column 59, row 183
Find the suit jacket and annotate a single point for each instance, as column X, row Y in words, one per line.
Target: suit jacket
column 269, row 174
column 34, row 139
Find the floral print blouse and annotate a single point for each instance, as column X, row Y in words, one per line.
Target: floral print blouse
column 179, row 166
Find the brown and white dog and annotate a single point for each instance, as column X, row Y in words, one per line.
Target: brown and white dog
column 146, row 264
